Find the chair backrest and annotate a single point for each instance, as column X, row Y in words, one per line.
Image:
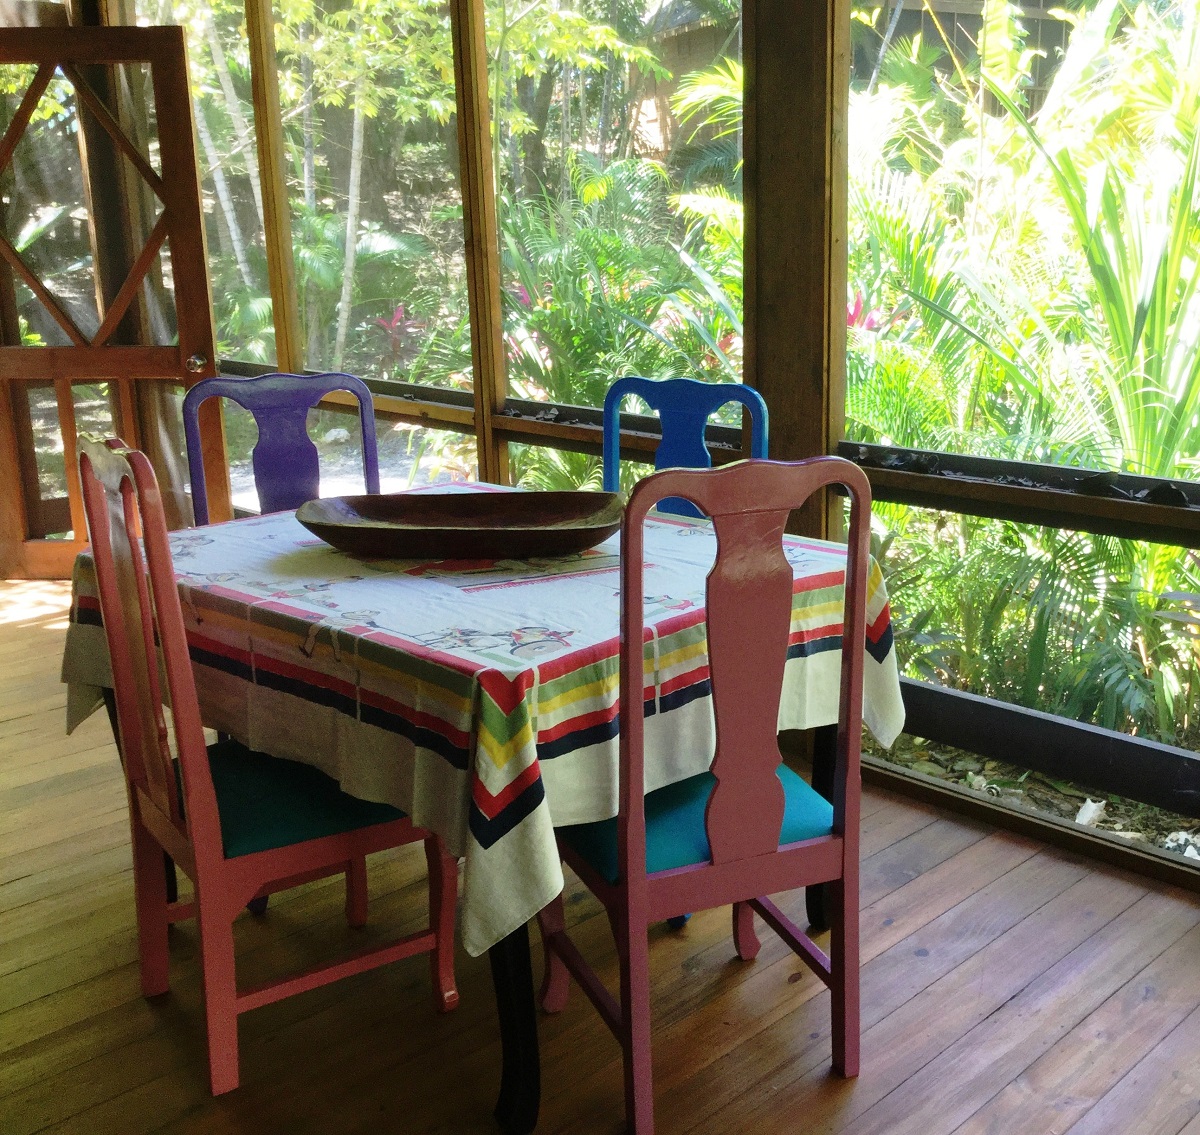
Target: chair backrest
column 684, row 406
column 748, row 608
column 286, row 467
column 139, row 605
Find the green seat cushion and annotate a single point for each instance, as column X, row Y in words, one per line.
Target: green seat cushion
column 675, row 834
column 266, row 802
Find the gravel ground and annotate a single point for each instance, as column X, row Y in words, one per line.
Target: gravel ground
column 1139, row 823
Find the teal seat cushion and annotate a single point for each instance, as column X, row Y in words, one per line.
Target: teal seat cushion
column 266, row 802
column 675, row 835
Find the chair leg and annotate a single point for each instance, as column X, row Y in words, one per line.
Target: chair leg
column 745, row 937
column 150, row 898
column 556, row 982
column 634, row 952
column 258, row 906
column 220, row 998
column 356, row 891
column 844, row 976
column 443, row 895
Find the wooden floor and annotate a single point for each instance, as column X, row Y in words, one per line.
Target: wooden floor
column 1007, row 987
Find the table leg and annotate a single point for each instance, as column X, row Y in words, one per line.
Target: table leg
column 520, row 1078
column 816, row 898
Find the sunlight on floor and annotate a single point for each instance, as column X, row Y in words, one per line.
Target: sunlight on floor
column 41, row 602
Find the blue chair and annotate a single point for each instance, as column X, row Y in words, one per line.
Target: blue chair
column 684, row 406
column 286, row 468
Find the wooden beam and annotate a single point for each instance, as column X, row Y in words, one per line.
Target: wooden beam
column 797, row 74
column 480, row 231
column 272, row 167
column 1102, row 759
column 65, row 397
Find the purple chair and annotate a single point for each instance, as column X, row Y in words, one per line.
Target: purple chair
column 286, row 469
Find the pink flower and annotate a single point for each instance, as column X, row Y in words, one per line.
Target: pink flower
column 871, row 320
column 396, row 320
column 399, row 331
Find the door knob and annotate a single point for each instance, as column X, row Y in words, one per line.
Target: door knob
column 196, row 363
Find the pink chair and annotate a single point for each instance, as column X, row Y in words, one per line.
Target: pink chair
column 750, row 827
column 240, row 824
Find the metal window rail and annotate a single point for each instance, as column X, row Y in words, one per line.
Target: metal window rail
column 1053, row 496
column 576, row 428
column 1124, row 505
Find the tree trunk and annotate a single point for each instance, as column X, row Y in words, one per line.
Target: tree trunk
column 605, row 102
column 583, row 110
column 536, row 103
column 887, row 39
column 313, row 351
column 310, row 152
column 234, row 106
column 564, row 177
column 514, row 151
column 353, row 203
column 223, row 197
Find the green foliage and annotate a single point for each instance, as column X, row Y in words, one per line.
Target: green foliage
column 1025, row 285
column 604, row 284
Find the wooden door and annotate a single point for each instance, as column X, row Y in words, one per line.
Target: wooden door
column 108, row 311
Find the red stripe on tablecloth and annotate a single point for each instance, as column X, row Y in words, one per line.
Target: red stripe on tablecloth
column 305, row 674
column 416, row 717
column 223, row 649
column 507, row 692
column 574, row 724
column 810, row 634
column 428, row 654
column 816, row 582
column 681, row 681
column 492, row 805
column 877, row 629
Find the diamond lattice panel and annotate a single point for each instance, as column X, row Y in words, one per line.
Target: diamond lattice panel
column 45, row 212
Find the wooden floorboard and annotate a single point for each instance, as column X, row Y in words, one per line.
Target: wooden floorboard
column 1008, row 987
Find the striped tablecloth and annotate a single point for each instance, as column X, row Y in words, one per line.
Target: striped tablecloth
column 479, row 697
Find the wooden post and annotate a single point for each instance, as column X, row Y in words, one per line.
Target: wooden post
column 797, row 86
column 481, row 231
column 272, row 166
column 121, row 206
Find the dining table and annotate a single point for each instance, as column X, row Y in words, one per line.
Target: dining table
column 478, row 696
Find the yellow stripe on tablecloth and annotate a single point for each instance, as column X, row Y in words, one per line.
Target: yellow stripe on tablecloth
column 598, row 688
column 682, row 654
column 818, row 612
column 499, row 752
column 397, row 686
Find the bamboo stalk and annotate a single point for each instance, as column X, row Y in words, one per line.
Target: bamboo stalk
column 277, row 222
column 353, row 203
column 223, row 196
column 234, row 105
column 480, row 230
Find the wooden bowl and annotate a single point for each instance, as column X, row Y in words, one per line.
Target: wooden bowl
column 464, row 526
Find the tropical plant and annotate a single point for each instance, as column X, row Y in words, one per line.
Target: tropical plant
column 603, row 284
column 1021, row 287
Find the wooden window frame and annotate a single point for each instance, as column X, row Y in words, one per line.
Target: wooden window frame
column 795, row 257
column 795, row 248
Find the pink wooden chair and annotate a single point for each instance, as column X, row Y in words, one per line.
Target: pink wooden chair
column 240, row 824
column 750, row 827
